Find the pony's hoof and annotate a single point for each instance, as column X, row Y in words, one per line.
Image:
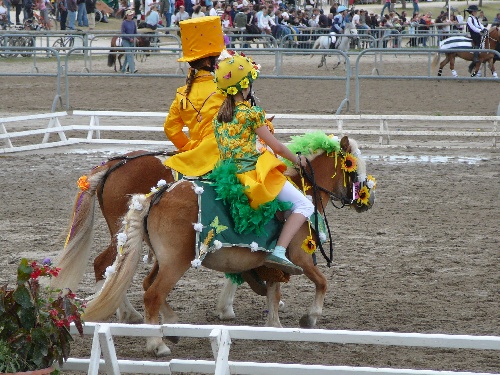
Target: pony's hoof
column 162, row 351
column 227, row 314
column 307, row 321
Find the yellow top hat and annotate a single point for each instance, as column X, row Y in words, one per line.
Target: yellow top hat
column 201, row 37
column 234, row 72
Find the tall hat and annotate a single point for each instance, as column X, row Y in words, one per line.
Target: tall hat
column 234, row 72
column 473, row 8
column 201, row 37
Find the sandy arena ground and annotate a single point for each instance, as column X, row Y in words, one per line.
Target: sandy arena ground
column 424, row 259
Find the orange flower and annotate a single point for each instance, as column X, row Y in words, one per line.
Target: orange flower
column 349, row 163
column 83, row 183
column 309, row 245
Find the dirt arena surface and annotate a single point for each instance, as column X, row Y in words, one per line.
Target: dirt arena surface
column 424, row 259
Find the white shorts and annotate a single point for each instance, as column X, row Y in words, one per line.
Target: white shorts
column 300, row 203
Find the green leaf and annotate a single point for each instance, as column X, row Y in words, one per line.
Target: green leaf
column 23, row 297
column 23, row 271
column 28, row 317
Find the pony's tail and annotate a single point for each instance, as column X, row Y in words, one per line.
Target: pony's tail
column 435, row 61
column 111, row 58
column 76, row 252
column 119, row 276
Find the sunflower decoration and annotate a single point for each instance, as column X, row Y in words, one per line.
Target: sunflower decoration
column 349, row 163
column 364, row 196
column 83, row 183
column 309, row 245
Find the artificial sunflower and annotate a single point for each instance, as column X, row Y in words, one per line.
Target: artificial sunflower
column 244, row 83
column 364, row 196
column 309, row 245
column 83, row 183
column 349, row 163
column 232, row 90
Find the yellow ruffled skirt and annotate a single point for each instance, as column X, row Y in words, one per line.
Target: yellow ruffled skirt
column 265, row 181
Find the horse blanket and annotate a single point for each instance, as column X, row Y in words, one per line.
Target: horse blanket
column 455, row 42
column 215, row 227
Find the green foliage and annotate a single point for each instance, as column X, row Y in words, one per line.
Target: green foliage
column 34, row 321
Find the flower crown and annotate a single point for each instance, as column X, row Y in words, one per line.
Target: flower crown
column 234, row 72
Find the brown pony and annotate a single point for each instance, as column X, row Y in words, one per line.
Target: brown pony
column 112, row 183
column 492, row 42
column 141, row 41
column 170, row 233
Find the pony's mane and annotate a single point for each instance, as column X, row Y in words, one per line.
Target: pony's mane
column 314, row 144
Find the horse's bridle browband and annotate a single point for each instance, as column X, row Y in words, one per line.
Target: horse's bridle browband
column 123, row 160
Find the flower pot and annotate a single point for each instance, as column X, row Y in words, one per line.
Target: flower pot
column 44, row 371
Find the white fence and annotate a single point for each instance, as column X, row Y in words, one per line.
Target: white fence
column 33, row 132
column 220, row 338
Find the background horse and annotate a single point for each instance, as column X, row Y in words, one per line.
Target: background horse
column 117, row 53
column 342, row 43
column 170, row 231
column 492, row 41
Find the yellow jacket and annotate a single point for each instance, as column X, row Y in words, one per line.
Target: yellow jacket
column 198, row 152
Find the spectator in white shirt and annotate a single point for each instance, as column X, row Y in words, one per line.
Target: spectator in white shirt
column 181, row 15
column 265, row 22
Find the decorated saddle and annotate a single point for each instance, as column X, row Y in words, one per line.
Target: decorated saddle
column 217, row 226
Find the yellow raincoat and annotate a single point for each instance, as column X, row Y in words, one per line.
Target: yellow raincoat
column 198, row 151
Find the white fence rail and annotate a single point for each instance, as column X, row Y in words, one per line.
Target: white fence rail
column 22, row 133
column 220, row 338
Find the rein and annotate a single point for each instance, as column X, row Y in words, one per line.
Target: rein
column 317, row 198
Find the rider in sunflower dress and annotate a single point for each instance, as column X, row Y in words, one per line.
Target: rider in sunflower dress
column 239, row 129
column 197, row 102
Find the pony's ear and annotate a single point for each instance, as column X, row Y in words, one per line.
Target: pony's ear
column 344, row 144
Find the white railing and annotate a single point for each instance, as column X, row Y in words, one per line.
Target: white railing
column 12, row 131
column 220, row 338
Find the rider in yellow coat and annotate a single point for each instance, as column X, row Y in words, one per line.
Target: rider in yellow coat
column 197, row 102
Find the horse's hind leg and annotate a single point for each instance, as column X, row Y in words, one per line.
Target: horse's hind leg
column 323, row 61
column 273, row 302
column 224, row 309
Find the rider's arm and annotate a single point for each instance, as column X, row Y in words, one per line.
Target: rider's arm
column 173, row 126
column 472, row 25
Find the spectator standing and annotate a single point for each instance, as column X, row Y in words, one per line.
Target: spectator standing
column 424, row 23
column 129, row 27
column 188, row 6
column 387, row 5
column 72, row 10
column 7, row 5
column 165, row 11
column 18, row 5
column 3, row 14
column 90, row 8
column 62, row 6
column 28, row 10
column 82, row 13
column 416, row 8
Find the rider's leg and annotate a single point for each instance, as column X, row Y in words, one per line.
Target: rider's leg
column 302, row 208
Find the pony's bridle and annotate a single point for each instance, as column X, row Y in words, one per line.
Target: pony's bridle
column 316, row 189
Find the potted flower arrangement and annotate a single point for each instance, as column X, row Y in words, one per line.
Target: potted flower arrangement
column 35, row 320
